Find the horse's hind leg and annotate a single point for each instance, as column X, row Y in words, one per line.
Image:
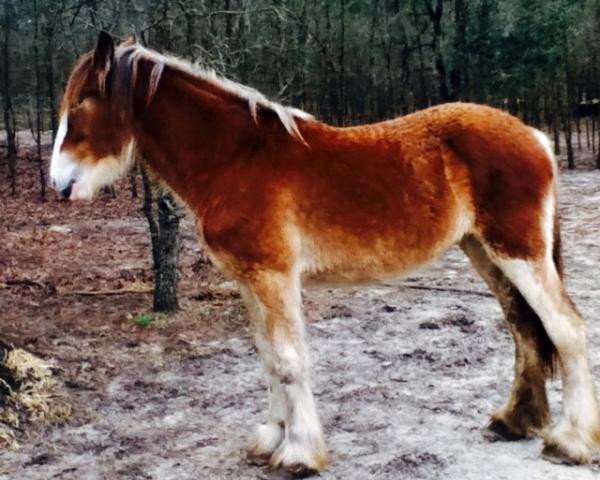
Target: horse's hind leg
column 578, row 432
column 526, row 411
column 292, row 438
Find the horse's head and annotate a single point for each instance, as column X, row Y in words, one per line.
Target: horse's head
column 94, row 144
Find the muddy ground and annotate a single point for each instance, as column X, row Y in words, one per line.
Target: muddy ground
column 405, row 375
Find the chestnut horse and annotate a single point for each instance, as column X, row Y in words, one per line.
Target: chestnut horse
column 283, row 199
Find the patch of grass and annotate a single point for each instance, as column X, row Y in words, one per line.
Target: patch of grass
column 144, row 319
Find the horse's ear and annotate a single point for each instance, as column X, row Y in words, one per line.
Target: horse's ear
column 104, row 52
column 130, row 41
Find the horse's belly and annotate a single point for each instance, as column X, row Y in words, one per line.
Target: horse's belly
column 364, row 270
column 375, row 258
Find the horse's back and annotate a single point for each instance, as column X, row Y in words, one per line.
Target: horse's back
column 383, row 199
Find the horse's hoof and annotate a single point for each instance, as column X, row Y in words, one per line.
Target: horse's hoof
column 555, row 454
column 498, row 431
column 299, row 470
column 259, row 459
column 568, row 445
column 301, row 460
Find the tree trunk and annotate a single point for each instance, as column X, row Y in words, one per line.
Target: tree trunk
column 372, row 97
column 598, row 152
column 163, row 223
column 435, row 15
column 556, row 136
column 342, row 60
column 568, row 110
column 587, row 133
column 38, row 103
column 458, row 75
column 598, row 158
column 162, row 215
column 9, row 114
column 556, row 116
column 228, row 19
column 50, row 82
column 569, row 143
column 594, row 126
column 333, row 91
column 165, row 280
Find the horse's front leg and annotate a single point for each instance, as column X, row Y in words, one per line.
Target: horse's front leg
column 292, row 438
column 268, row 435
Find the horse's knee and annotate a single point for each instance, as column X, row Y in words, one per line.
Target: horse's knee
column 290, row 363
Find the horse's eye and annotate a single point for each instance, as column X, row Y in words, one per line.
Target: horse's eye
column 79, row 137
column 75, row 134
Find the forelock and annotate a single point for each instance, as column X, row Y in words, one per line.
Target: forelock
column 115, row 84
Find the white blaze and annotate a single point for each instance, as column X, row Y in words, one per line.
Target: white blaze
column 63, row 169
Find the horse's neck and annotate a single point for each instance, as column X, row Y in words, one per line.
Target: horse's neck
column 188, row 135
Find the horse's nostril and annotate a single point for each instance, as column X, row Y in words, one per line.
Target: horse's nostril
column 66, row 193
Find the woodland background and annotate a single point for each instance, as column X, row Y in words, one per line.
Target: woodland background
column 346, row 61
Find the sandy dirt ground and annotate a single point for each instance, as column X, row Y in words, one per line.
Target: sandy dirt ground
column 405, row 375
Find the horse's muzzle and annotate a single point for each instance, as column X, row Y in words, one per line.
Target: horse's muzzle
column 65, row 192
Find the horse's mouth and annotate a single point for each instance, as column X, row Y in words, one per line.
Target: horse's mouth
column 79, row 191
column 75, row 191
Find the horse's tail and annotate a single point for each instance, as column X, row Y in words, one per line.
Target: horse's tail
column 546, row 348
column 548, row 352
column 557, row 245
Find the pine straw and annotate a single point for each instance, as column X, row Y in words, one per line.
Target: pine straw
column 38, row 399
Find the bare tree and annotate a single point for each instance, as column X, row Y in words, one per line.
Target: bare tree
column 435, row 12
column 162, row 215
column 38, row 101
column 9, row 114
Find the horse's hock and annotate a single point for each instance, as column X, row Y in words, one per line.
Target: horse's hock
column 29, row 393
